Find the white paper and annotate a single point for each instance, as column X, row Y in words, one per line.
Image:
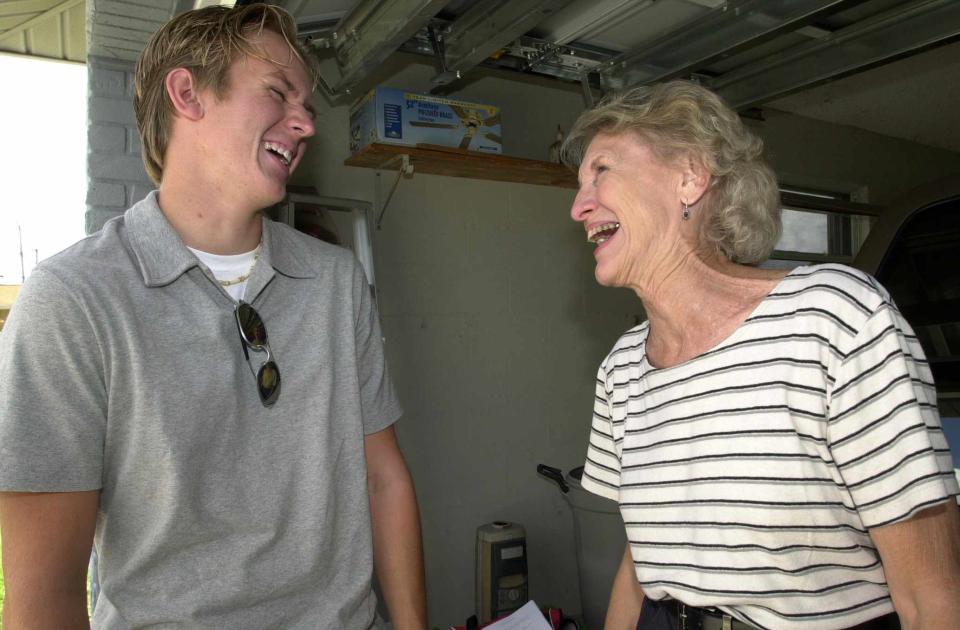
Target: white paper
column 527, row 617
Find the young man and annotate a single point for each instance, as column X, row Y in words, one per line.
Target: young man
column 230, row 477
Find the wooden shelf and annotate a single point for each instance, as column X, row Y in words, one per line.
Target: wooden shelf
column 453, row 162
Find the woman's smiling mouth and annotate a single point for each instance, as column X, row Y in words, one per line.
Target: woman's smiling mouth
column 600, row 233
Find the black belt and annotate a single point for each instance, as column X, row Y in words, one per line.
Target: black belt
column 693, row 618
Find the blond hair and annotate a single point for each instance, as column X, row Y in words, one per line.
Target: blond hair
column 682, row 119
column 206, row 42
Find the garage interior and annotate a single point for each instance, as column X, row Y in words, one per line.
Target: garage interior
column 493, row 322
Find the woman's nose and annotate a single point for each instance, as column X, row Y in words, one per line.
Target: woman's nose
column 583, row 203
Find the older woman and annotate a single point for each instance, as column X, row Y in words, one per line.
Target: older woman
column 772, row 438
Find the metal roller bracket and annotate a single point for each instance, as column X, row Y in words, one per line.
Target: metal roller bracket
column 406, row 168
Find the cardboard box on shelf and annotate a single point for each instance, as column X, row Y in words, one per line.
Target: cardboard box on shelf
column 393, row 116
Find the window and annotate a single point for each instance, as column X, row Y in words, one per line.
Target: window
column 820, row 227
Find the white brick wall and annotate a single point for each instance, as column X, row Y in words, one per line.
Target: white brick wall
column 116, row 178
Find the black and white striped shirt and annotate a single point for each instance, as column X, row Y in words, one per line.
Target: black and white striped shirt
column 749, row 476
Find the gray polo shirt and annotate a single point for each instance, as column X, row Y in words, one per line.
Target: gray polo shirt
column 121, row 369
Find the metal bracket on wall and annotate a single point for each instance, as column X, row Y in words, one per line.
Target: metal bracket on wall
column 587, row 90
column 406, row 168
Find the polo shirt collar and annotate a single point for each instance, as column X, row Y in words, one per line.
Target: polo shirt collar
column 285, row 252
column 163, row 257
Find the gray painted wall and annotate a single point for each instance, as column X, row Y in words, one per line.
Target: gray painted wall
column 824, row 155
column 493, row 322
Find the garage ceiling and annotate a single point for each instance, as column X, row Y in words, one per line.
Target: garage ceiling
column 52, row 29
column 888, row 66
column 915, row 99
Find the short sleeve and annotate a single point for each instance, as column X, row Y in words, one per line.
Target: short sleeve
column 884, row 429
column 601, row 472
column 53, row 400
column 379, row 404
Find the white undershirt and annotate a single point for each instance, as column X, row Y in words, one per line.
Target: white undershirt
column 228, row 267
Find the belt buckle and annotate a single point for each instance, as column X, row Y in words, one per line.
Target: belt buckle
column 687, row 620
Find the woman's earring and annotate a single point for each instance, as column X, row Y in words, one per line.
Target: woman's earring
column 686, row 211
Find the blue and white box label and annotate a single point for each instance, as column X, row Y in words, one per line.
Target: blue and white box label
column 393, row 116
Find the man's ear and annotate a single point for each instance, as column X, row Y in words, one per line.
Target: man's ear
column 183, row 93
column 695, row 181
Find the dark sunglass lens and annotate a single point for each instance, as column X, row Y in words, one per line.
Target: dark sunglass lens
column 268, row 382
column 251, row 326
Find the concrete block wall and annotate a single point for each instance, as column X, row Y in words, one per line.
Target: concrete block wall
column 116, row 177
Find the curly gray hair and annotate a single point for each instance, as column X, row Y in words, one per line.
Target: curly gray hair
column 680, row 118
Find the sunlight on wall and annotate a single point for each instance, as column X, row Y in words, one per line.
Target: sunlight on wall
column 43, row 130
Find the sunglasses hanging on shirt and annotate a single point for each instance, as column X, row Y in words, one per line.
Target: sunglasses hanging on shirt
column 253, row 334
